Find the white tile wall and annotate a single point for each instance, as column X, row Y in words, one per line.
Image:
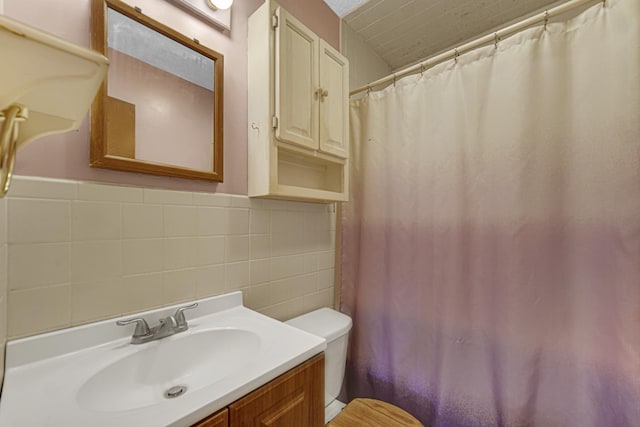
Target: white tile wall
column 78, row 252
column 168, row 197
column 110, row 193
column 37, row 221
column 142, row 220
column 52, row 260
column 36, row 188
column 95, row 220
column 180, row 221
column 92, row 260
column 95, row 299
column 236, row 248
column 260, row 246
column 180, row 252
column 41, row 309
column 210, row 250
column 143, row 291
column 211, row 221
column 142, row 256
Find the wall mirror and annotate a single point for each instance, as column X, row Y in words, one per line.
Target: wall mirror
column 160, row 108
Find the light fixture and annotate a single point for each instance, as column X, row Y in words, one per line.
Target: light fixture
column 46, row 86
column 219, row 4
column 216, row 12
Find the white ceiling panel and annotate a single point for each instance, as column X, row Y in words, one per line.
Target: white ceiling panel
column 343, row 7
column 403, row 32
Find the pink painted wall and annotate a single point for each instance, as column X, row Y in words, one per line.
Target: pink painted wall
column 316, row 15
column 67, row 155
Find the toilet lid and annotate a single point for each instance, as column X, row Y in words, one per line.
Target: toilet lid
column 324, row 322
column 373, row 413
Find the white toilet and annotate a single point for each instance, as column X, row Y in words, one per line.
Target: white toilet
column 334, row 327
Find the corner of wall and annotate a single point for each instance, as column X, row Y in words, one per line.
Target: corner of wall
column 343, row 36
column 3, row 277
column 365, row 65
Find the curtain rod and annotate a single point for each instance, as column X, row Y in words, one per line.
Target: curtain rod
column 481, row 41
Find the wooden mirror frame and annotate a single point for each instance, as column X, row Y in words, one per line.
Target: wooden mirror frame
column 99, row 157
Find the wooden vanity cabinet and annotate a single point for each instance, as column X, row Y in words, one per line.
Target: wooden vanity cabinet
column 298, row 111
column 219, row 419
column 294, row 399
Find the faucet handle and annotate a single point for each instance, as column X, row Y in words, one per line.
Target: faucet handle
column 169, row 321
column 182, row 321
column 142, row 327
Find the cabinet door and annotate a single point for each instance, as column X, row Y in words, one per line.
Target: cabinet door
column 219, row 419
column 297, row 82
column 295, row 399
column 334, row 101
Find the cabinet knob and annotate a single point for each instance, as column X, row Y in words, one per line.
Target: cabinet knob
column 322, row 93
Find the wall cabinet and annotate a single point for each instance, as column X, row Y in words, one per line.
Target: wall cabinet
column 294, row 399
column 298, row 111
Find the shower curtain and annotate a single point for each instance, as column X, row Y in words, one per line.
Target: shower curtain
column 491, row 246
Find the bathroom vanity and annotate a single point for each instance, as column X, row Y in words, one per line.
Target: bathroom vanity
column 293, row 399
column 231, row 367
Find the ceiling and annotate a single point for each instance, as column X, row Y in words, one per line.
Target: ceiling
column 403, row 32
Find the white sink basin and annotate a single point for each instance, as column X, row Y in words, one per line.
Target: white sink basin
column 188, row 360
column 92, row 374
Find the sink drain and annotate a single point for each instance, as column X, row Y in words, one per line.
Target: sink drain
column 176, row 391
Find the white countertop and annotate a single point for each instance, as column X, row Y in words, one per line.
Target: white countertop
column 46, row 375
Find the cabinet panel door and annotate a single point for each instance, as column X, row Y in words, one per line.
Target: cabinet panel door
column 295, row 399
column 334, row 101
column 219, row 419
column 296, row 82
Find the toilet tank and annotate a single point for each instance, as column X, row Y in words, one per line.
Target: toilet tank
column 334, row 327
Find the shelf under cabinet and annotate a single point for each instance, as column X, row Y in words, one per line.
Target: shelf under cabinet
column 313, row 173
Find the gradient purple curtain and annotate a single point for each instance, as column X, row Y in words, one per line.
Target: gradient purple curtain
column 491, row 246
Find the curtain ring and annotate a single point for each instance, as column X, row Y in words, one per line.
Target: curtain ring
column 496, row 39
column 368, row 90
column 394, row 79
column 456, row 54
column 422, row 68
column 546, row 19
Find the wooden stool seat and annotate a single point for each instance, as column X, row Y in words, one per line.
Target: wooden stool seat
column 373, row 413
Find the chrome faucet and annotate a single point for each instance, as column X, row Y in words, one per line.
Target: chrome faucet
column 170, row 325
